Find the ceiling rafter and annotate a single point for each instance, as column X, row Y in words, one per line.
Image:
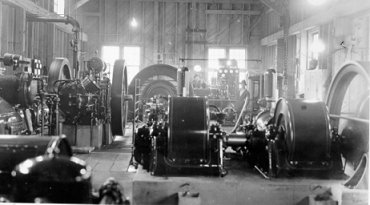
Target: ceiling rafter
column 274, row 6
column 80, row 3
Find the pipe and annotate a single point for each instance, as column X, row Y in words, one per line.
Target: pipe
column 240, row 115
column 76, row 30
column 357, row 119
column 235, row 139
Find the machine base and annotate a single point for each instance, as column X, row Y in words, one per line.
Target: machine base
column 84, row 135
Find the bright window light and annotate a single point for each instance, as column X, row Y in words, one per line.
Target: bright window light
column 59, row 6
column 131, row 55
column 317, row 46
column 214, row 54
column 133, row 23
column 239, row 55
column 109, row 55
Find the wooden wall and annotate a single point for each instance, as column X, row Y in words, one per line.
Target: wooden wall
column 344, row 20
column 32, row 39
column 169, row 30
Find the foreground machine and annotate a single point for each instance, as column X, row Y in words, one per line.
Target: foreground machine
column 180, row 135
column 185, row 140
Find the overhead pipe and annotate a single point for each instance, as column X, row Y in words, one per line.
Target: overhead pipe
column 76, row 30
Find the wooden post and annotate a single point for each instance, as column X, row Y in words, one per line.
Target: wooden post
column 156, row 31
column 50, row 45
column 1, row 23
column 20, row 31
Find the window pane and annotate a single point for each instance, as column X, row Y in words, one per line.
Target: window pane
column 212, row 78
column 109, row 55
column 131, row 72
column 59, row 6
column 131, row 54
column 239, row 55
column 213, row 55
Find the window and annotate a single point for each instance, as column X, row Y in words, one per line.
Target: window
column 315, row 47
column 59, row 6
column 239, row 55
column 214, row 54
column 131, row 55
column 109, row 55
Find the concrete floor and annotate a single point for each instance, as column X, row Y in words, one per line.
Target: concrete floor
column 112, row 161
column 242, row 185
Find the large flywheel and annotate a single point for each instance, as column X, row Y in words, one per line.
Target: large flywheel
column 118, row 98
column 59, row 70
column 348, row 103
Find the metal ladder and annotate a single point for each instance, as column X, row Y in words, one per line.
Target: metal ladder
column 136, row 112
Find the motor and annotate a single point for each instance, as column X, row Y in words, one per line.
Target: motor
column 182, row 141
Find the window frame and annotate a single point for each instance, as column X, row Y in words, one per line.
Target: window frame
column 310, row 54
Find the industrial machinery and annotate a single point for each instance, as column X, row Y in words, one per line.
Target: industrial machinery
column 33, row 103
column 157, row 79
column 180, row 140
column 39, row 169
column 178, row 136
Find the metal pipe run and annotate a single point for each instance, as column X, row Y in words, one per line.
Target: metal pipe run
column 349, row 118
column 76, row 30
column 235, row 139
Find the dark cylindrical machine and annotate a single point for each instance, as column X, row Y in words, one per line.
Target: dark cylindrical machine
column 15, row 148
column 51, row 179
column 184, row 143
column 188, row 131
column 303, row 126
column 18, row 89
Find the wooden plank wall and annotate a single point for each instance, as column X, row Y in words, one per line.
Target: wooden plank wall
column 315, row 83
column 32, row 39
column 168, row 30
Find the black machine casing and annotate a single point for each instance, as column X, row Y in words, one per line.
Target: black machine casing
column 15, row 149
column 187, row 145
column 304, row 136
column 188, row 138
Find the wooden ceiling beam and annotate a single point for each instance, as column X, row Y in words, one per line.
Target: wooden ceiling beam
column 272, row 5
column 237, row 12
column 202, row 1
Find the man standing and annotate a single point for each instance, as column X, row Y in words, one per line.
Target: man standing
column 243, row 100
